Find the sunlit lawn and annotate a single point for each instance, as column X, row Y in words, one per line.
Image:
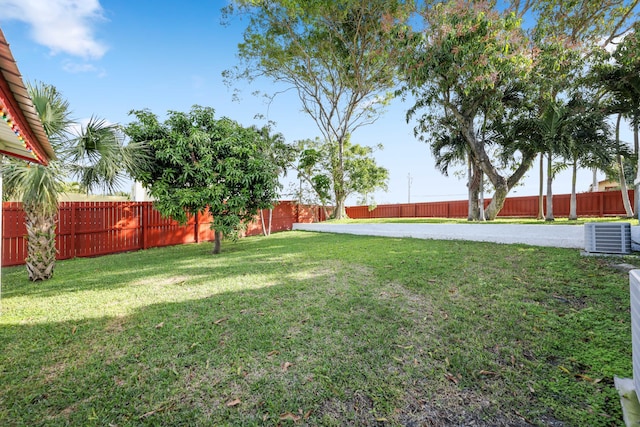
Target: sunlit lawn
column 317, row 329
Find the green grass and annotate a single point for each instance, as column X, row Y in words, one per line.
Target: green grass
column 318, row 328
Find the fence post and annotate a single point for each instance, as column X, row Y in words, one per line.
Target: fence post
column 144, row 233
column 601, row 204
column 73, row 228
column 197, row 228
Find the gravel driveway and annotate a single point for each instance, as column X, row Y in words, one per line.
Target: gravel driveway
column 560, row 236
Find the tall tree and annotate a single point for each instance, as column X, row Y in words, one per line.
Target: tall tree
column 618, row 74
column 38, row 186
column 340, row 56
column 317, row 168
column 461, row 70
column 590, row 144
column 201, row 163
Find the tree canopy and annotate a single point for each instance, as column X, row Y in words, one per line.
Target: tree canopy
column 198, row 162
column 466, row 70
column 340, row 56
column 316, row 168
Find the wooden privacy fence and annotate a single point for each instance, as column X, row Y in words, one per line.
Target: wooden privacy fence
column 602, row 203
column 87, row 229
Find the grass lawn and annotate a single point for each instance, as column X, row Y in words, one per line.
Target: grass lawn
column 318, row 329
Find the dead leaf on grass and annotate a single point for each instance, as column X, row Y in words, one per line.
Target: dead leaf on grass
column 405, row 347
column 285, row 366
column 273, row 353
column 483, row 372
column 73, row 331
column 234, row 402
column 289, row 416
column 159, row 325
column 451, row 378
column 589, row 379
column 219, row 321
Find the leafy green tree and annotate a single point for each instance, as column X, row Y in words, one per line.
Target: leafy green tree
column 317, row 167
column 199, row 163
column 73, row 187
column 38, row 186
column 340, row 56
column 462, row 70
column 281, row 154
column 567, row 34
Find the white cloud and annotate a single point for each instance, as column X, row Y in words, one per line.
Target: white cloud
column 61, row 25
column 75, row 68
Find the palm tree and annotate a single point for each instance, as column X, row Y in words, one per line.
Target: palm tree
column 37, row 186
column 620, row 80
column 553, row 127
column 95, row 154
column 589, row 145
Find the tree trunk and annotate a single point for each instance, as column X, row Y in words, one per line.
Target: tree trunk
column 264, row 230
column 469, row 189
column 549, row 215
column 41, row 243
column 326, row 212
column 481, row 216
column 497, row 202
column 623, row 182
column 338, row 183
column 501, row 184
column 270, row 220
column 474, row 190
column 594, row 181
column 541, row 193
column 341, row 211
column 573, row 211
column 217, row 242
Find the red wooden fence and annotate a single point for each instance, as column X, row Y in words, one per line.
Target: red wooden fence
column 87, row 229
column 604, row 203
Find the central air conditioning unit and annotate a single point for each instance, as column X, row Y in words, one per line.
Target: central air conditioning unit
column 634, row 285
column 608, row 237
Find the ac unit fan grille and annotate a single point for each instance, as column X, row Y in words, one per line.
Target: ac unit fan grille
column 611, row 238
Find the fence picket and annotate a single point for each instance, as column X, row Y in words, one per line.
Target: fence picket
column 87, row 229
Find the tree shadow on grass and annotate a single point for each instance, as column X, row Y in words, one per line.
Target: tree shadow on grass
column 193, row 262
column 244, row 357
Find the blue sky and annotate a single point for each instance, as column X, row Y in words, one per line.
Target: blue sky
column 109, row 57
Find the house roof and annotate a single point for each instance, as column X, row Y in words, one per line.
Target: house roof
column 21, row 132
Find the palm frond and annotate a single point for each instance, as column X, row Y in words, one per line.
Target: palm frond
column 33, row 184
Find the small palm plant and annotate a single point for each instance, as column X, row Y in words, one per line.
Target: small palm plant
column 94, row 153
